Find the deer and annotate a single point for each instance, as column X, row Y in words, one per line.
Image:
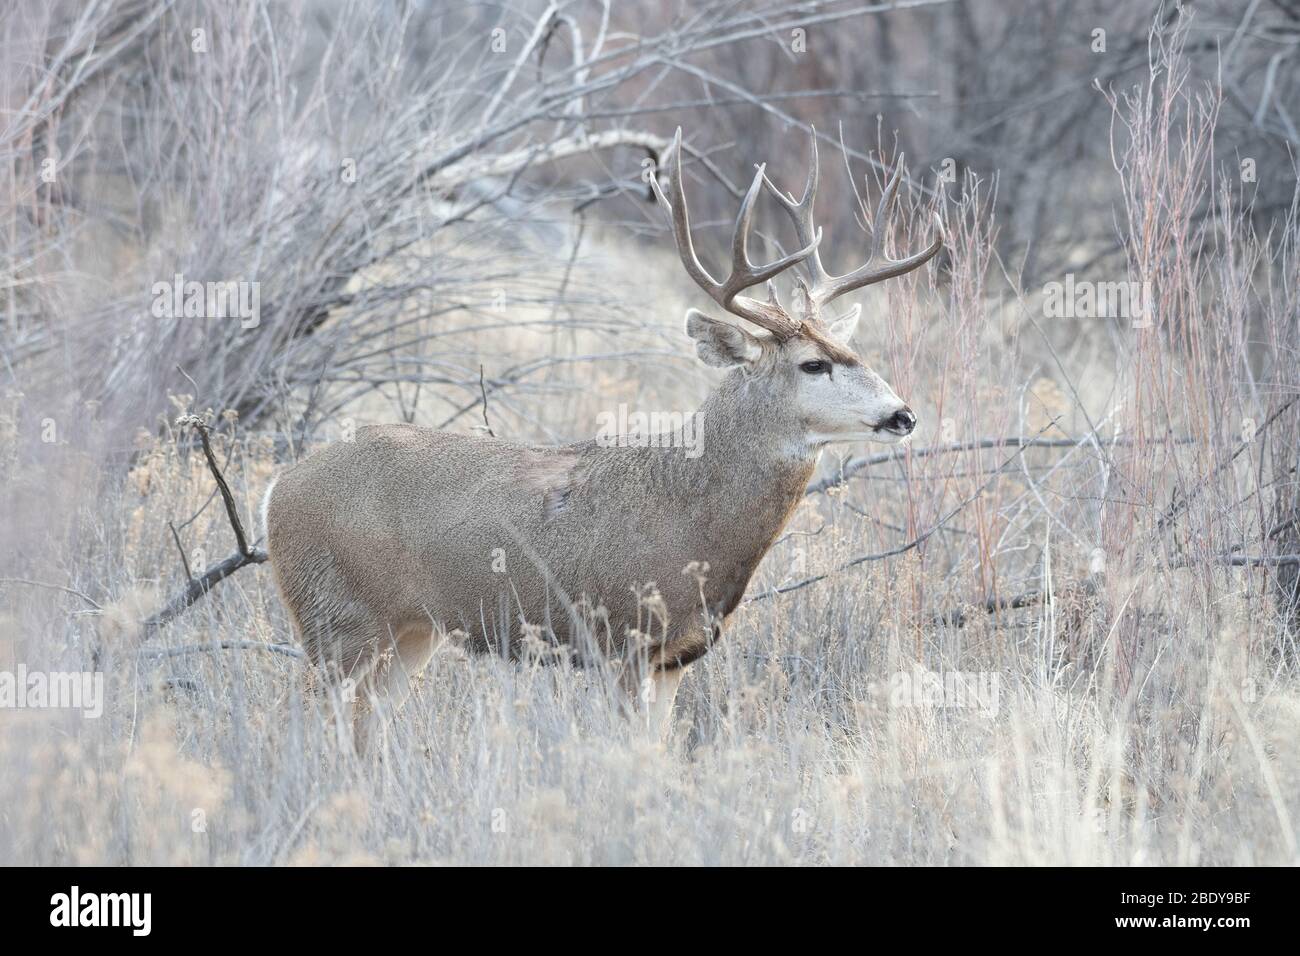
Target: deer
column 385, row 546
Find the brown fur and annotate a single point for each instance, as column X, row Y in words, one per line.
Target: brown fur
column 393, row 536
column 383, row 544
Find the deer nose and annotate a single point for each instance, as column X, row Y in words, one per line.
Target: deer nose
column 901, row 422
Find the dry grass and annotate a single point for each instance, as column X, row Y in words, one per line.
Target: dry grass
column 1144, row 714
column 1151, row 722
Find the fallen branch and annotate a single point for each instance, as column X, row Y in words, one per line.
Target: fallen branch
column 1021, row 443
column 959, row 617
column 201, row 585
column 1245, row 560
column 1177, row 506
column 863, row 462
column 243, row 555
column 288, row 650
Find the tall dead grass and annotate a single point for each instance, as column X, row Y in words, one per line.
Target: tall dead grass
column 1118, row 594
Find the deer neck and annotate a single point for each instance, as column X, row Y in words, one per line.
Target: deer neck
column 750, row 438
column 751, row 475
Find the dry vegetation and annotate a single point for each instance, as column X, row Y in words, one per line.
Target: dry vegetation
column 1129, row 587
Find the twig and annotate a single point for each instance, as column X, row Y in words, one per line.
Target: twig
column 54, row 587
column 242, row 556
column 233, row 512
column 959, row 617
column 915, row 542
column 1178, row 506
column 482, row 387
column 287, row 650
column 1012, row 441
column 200, row 586
column 185, row 562
column 1245, row 560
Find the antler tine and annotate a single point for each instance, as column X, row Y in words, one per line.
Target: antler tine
column 824, row 286
column 679, row 219
column 869, row 274
column 744, row 273
column 882, row 209
column 801, row 212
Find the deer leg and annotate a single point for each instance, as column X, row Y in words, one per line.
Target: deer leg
column 344, row 652
column 653, row 696
column 389, row 683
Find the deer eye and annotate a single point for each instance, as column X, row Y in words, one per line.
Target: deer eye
column 815, row 367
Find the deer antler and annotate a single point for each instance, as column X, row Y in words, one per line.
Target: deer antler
column 824, row 286
column 744, row 274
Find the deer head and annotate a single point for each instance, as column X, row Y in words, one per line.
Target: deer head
column 802, row 358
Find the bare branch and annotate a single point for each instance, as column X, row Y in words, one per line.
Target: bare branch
column 286, row 650
column 857, row 465
column 243, row 555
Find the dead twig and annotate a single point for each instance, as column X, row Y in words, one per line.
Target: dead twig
column 232, row 511
column 287, row 650
column 482, row 387
column 54, row 587
column 201, row 585
column 185, row 561
column 243, row 555
column 1245, row 560
column 863, row 462
column 1178, row 506
column 915, row 542
column 960, row 616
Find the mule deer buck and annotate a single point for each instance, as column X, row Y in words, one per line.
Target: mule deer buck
column 383, row 545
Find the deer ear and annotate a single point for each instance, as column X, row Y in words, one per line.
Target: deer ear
column 842, row 330
column 721, row 344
